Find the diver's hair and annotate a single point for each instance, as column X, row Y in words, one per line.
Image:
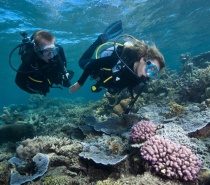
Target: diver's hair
column 154, row 53
column 133, row 52
column 42, row 34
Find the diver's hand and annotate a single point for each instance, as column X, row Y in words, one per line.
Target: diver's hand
column 74, row 87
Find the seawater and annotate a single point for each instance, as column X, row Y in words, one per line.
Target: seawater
column 175, row 26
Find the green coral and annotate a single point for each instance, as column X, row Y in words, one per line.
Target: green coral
column 57, row 180
column 176, row 109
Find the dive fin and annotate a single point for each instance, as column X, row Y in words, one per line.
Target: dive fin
column 112, row 31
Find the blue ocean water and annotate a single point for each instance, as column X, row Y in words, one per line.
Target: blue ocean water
column 175, row 26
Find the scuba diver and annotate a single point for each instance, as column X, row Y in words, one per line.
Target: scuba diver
column 121, row 66
column 43, row 64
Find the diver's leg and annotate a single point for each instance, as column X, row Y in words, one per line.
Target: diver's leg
column 112, row 31
column 86, row 57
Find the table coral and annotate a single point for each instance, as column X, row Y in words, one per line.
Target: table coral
column 41, row 162
column 106, row 150
column 142, row 131
column 171, row 160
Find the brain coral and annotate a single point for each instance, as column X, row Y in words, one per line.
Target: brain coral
column 142, row 131
column 171, row 160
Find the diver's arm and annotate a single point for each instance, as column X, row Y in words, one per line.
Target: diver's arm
column 74, row 87
column 94, row 65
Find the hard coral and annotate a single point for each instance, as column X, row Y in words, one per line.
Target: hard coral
column 171, row 160
column 44, row 144
column 176, row 109
column 120, row 108
column 142, row 131
column 56, row 180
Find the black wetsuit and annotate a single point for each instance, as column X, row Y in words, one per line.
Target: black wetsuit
column 36, row 76
column 94, row 67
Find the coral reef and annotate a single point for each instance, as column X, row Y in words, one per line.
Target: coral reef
column 142, row 131
column 171, row 160
column 178, row 101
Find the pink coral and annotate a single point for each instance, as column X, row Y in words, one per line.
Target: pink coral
column 171, row 160
column 142, row 131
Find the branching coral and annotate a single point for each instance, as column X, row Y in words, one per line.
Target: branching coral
column 142, row 131
column 30, row 147
column 171, row 160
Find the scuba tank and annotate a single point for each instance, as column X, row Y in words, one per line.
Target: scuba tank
column 27, row 42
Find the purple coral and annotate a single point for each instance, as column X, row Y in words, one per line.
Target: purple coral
column 142, row 131
column 171, row 160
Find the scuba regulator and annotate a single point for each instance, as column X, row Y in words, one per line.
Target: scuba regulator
column 25, row 42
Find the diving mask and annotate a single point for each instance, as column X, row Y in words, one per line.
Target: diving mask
column 49, row 51
column 152, row 70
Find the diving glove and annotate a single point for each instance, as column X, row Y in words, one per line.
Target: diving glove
column 112, row 31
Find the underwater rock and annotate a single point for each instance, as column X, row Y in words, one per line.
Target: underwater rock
column 201, row 133
column 204, row 176
column 15, row 132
